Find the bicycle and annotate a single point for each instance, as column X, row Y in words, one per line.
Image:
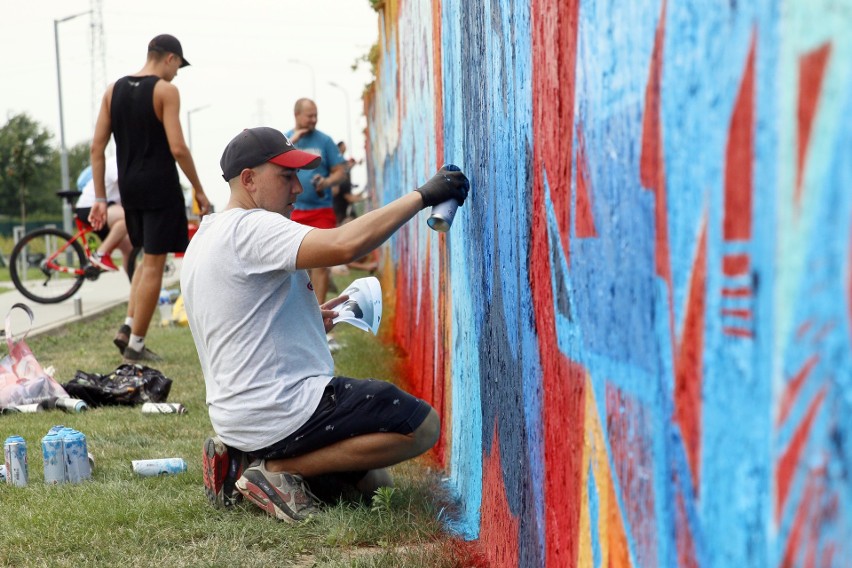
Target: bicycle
column 48, row 265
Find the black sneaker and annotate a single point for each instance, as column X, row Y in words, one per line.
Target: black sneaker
column 284, row 496
column 132, row 357
column 122, row 338
column 222, row 466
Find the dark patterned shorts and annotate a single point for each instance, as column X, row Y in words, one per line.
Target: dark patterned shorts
column 348, row 408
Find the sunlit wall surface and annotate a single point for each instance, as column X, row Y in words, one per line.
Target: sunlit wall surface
column 637, row 331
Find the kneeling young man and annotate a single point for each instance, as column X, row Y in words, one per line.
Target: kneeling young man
column 261, row 338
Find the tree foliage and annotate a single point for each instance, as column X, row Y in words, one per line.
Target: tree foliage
column 30, row 167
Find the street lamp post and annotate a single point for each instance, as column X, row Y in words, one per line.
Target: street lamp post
column 313, row 77
column 63, row 151
column 348, row 117
column 189, row 123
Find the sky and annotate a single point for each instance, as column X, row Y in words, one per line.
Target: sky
column 250, row 62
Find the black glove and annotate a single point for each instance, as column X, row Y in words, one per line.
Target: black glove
column 448, row 183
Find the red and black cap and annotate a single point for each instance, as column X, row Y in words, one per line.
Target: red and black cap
column 255, row 146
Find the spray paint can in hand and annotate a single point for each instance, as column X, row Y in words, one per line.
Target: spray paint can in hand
column 443, row 214
column 53, row 454
column 17, row 467
column 163, row 408
column 153, row 468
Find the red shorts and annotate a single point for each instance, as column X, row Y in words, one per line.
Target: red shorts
column 318, row 218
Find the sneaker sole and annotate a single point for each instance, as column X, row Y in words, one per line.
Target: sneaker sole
column 272, row 504
column 215, row 468
column 121, row 343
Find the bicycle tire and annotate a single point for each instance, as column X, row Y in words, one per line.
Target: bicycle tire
column 135, row 260
column 42, row 290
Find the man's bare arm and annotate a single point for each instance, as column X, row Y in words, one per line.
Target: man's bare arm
column 100, row 139
column 169, row 98
column 330, row 247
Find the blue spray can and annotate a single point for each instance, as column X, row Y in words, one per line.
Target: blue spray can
column 53, row 454
column 17, row 467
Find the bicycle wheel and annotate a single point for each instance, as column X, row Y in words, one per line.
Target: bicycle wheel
column 135, row 261
column 42, row 275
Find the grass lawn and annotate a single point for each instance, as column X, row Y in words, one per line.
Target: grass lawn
column 120, row 519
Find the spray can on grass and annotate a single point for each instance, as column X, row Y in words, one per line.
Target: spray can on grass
column 153, row 468
column 17, row 467
column 53, row 455
column 163, row 408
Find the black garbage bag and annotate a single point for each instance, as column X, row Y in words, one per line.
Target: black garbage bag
column 128, row 385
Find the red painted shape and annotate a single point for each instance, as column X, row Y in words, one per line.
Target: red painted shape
column 803, row 329
column 738, row 332
column 741, row 314
column 791, row 392
column 498, row 534
column 415, row 333
column 823, row 332
column 563, row 410
column 554, row 39
column 584, row 220
column 652, row 168
column 736, row 264
column 437, row 75
column 739, row 158
column 629, row 429
column 794, row 540
column 811, row 73
column 684, row 542
column 689, row 362
column 827, row 558
column 786, row 466
column 736, row 292
column 554, row 54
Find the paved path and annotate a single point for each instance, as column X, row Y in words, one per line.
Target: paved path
column 109, row 290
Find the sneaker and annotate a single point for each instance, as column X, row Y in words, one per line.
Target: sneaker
column 122, row 338
column 132, row 357
column 284, row 496
column 103, row 261
column 222, row 466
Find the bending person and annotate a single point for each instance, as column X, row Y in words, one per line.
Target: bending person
column 260, row 337
column 114, row 233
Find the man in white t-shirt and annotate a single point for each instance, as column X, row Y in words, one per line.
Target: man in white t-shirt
column 114, row 233
column 261, row 339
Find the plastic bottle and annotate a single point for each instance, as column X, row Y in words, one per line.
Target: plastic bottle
column 165, row 307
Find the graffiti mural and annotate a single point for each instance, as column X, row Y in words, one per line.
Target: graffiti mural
column 638, row 331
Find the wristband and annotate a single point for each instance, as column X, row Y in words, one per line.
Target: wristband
column 100, row 199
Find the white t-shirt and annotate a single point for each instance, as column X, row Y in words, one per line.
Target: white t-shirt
column 256, row 325
column 87, row 198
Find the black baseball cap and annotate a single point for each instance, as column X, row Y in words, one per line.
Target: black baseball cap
column 255, row 146
column 166, row 43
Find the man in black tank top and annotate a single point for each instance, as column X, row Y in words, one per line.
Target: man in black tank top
column 142, row 112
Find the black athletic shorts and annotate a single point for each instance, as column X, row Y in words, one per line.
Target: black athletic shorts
column 158, row 231
column 348, row 408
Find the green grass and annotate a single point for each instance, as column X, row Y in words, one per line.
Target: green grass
column 120, row 519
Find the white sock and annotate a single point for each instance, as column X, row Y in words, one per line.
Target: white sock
column 136, row 343
column 128, row 322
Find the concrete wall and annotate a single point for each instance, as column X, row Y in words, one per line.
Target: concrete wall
column 637, row 331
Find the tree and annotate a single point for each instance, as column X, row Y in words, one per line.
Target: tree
column 25, row 164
